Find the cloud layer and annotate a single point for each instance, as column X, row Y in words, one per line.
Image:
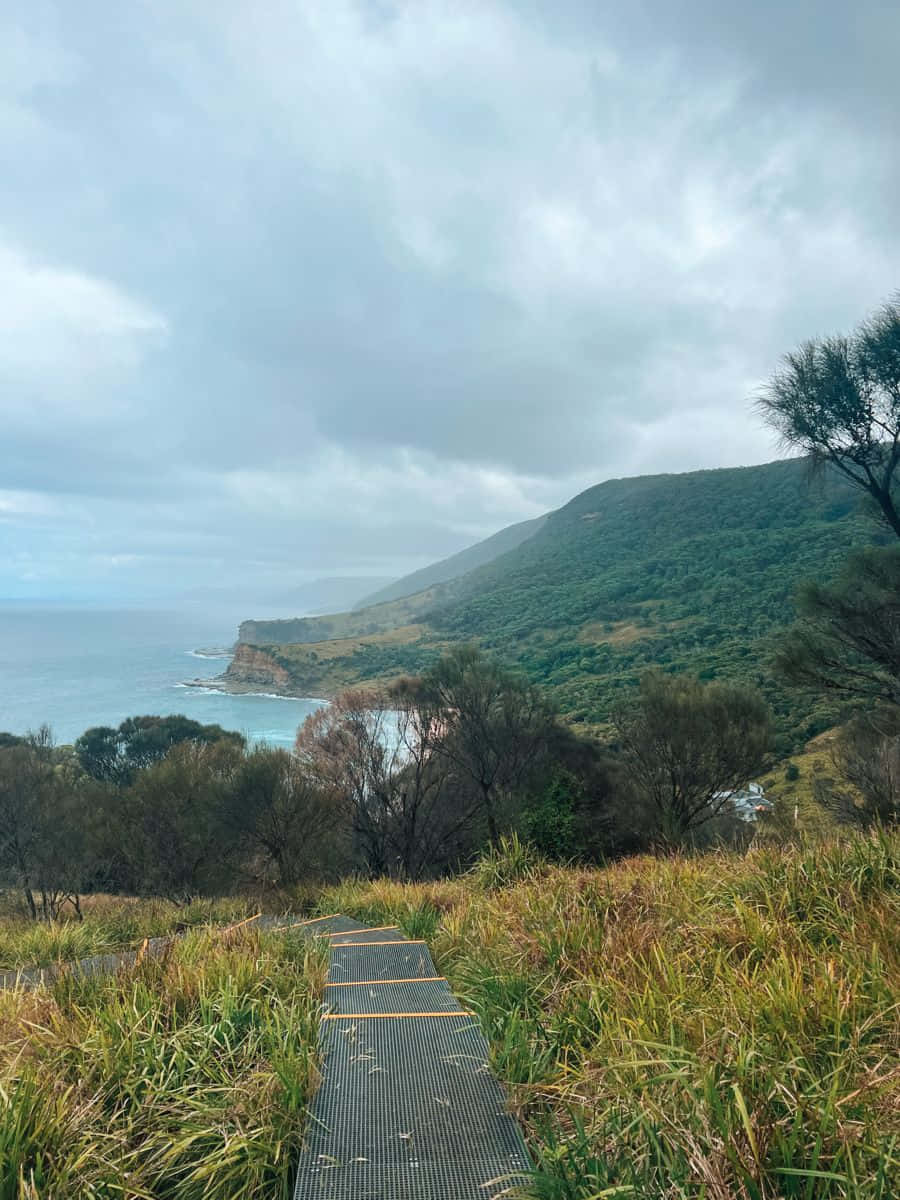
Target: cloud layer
column 297, row 288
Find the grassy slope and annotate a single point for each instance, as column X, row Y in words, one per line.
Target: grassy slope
column 181, row 1079
column 796, row 803
column 709, row 1028
column 367, row 622
column 689, row 572
column 110, row 924
column 322, row 669
column 703, row 1028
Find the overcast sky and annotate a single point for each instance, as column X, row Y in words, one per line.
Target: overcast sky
column 305, row 287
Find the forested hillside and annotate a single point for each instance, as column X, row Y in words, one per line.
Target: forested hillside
column 395, row 605
column 691, row 572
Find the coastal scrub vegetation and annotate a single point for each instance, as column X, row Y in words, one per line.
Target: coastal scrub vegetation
column 669, row 1028
column 184, row 1077
column 411, row 781
column 719, row 1026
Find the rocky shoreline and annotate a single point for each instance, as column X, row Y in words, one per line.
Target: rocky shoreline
column 233, row 687
column 252, row 671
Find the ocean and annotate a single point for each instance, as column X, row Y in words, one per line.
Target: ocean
column 74, row 668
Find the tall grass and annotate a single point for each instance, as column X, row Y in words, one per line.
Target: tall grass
column 712, row 1027
column 715, row 1027
column 183, row 1078
column 108, row 925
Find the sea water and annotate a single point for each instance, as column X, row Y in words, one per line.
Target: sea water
column 74, row 668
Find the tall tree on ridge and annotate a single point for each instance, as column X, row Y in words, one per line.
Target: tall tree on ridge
column 837, row 399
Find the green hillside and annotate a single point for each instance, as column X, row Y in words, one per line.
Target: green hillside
column 379, row 618
column 688, row 572
column 398, row 604
column 458, row 564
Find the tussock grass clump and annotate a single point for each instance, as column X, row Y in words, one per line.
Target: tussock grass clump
column 109, row 924
column 510, row 861
column 185, row 1077
column 718, row 1027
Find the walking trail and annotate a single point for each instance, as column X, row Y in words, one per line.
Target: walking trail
column 408, row 1108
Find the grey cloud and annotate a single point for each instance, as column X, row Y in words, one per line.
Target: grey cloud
column 371, row 280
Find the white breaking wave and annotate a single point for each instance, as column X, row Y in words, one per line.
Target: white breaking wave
column 214, row 691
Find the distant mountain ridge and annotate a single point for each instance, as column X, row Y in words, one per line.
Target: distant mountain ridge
column 689, row 572
column 399, row 603
column 457, row 564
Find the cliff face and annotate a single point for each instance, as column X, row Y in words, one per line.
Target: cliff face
column 253, row 667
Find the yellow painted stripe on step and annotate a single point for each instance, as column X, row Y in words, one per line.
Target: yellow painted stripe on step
column 241, row 924
column 401, row 942
column 393, row 1016
column 315, row 920
column 350, row 932
column 369, row 982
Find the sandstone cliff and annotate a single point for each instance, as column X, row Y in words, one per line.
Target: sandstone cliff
column 254, row 668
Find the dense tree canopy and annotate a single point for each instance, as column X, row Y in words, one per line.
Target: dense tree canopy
column 847, row 640
column 689, row 745
column 114, row 755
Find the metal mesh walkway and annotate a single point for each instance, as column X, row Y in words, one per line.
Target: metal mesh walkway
column 408, row 1108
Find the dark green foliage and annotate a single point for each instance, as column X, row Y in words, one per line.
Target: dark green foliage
column 114, row 755
column 838, row 400
column 690, row 573
column 172, row 818
column 847, row 641
column 687, row 746
column 550, row 822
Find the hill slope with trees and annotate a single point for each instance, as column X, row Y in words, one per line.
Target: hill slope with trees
column 691, row 572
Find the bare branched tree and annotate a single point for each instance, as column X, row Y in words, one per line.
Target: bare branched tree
column 348, row 749
column 375, row 751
